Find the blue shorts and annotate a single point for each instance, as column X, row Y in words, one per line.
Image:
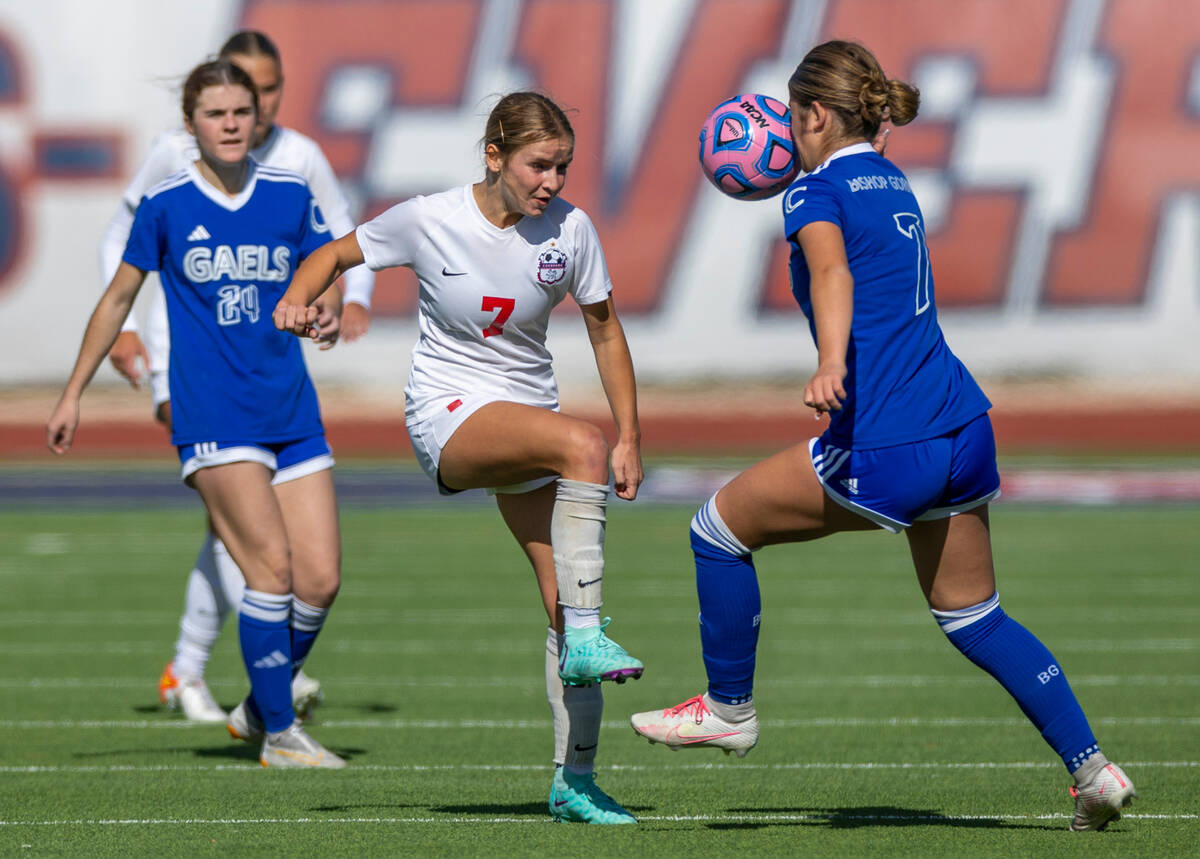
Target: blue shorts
column 288, row 459
column 896, row 486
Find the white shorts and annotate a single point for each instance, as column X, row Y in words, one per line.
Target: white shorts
column 429, row 436
column 287, row 460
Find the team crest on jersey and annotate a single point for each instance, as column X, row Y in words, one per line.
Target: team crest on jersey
column 552, row 265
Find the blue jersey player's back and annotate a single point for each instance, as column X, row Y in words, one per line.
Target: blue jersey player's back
column 224, row 262
column 909, row 446
column 902, row 382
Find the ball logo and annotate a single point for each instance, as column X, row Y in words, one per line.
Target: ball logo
column 552, row 265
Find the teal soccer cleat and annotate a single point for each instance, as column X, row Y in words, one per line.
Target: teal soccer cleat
column 589, row 656
column 577, row 798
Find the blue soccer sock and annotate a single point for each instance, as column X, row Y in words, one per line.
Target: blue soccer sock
column 730, row 607
column 307, row 621
column 267, row 651
column 1027, row 670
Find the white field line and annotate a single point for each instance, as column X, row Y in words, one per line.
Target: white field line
column 666, row 818
column 506, row 617
column 631, row 768
column 490, row 646
column 541, row 724
column 914, row 681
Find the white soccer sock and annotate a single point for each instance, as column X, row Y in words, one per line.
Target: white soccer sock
column 202, row 615
column 581, row 618
column 730, row 712
column 232, row 582
column 577, row 535
column 576, row 711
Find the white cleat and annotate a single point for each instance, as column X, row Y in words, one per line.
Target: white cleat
column 244, row 725
column 294, row 749
column 197, row 703
column 1099, row 799
column 306, row 695
column 692, row 725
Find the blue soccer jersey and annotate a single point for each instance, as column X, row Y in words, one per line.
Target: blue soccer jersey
column 902, row 383
column 224, row 263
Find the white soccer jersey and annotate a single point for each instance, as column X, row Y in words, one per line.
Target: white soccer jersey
column 174, row 151
column 485, row 294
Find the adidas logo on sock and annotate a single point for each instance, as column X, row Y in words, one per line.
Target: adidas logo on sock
column 275, row 659
column 199, row 234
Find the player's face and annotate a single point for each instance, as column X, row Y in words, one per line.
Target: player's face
column 223, row 122
column 268, row 80
column 533, row 175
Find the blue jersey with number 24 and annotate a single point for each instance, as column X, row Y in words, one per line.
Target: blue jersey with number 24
column 224, row 263
column 902, row 383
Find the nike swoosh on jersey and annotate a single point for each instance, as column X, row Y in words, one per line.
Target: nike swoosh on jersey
column 447, row 273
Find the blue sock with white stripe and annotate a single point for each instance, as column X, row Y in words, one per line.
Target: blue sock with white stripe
column 730, row 607
column 267, row 651
column 307, row 621
column 1027, row 670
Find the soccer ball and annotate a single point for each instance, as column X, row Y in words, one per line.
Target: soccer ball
column 746, row 147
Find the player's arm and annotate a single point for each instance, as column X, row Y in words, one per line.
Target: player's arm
column 98, row 338
column 615, row 364
column 319, row 270
column 832, row 294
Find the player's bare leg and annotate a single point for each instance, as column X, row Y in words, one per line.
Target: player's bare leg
column 247, row 515
column 778, row 500
column 576, row 710
column 309, row 507
column 953, row 560
column 508, row 443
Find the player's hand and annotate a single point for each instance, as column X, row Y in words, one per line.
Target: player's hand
column 627, row 469
column 124, row 355
column 298, row 319
column 356, row 319
column 60, row 428
column 825, row 391
column 329, row 324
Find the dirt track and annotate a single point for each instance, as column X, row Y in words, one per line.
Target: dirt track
column 716, row 419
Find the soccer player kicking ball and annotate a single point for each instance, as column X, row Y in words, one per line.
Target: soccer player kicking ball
column 909, row 445
column 493, row 259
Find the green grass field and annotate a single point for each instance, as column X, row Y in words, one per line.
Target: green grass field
column 878, row 737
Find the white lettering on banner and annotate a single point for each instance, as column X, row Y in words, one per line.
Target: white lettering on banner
column 248, row 262
column 1051, row 254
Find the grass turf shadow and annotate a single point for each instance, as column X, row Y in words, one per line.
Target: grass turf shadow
column 870, row 815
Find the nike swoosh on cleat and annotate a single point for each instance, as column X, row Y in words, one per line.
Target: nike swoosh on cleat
column 690, row 740
column 559, row 802
column 447, row 273
column 584, row 584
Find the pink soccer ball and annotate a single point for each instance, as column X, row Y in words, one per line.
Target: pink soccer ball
column 746, row 147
